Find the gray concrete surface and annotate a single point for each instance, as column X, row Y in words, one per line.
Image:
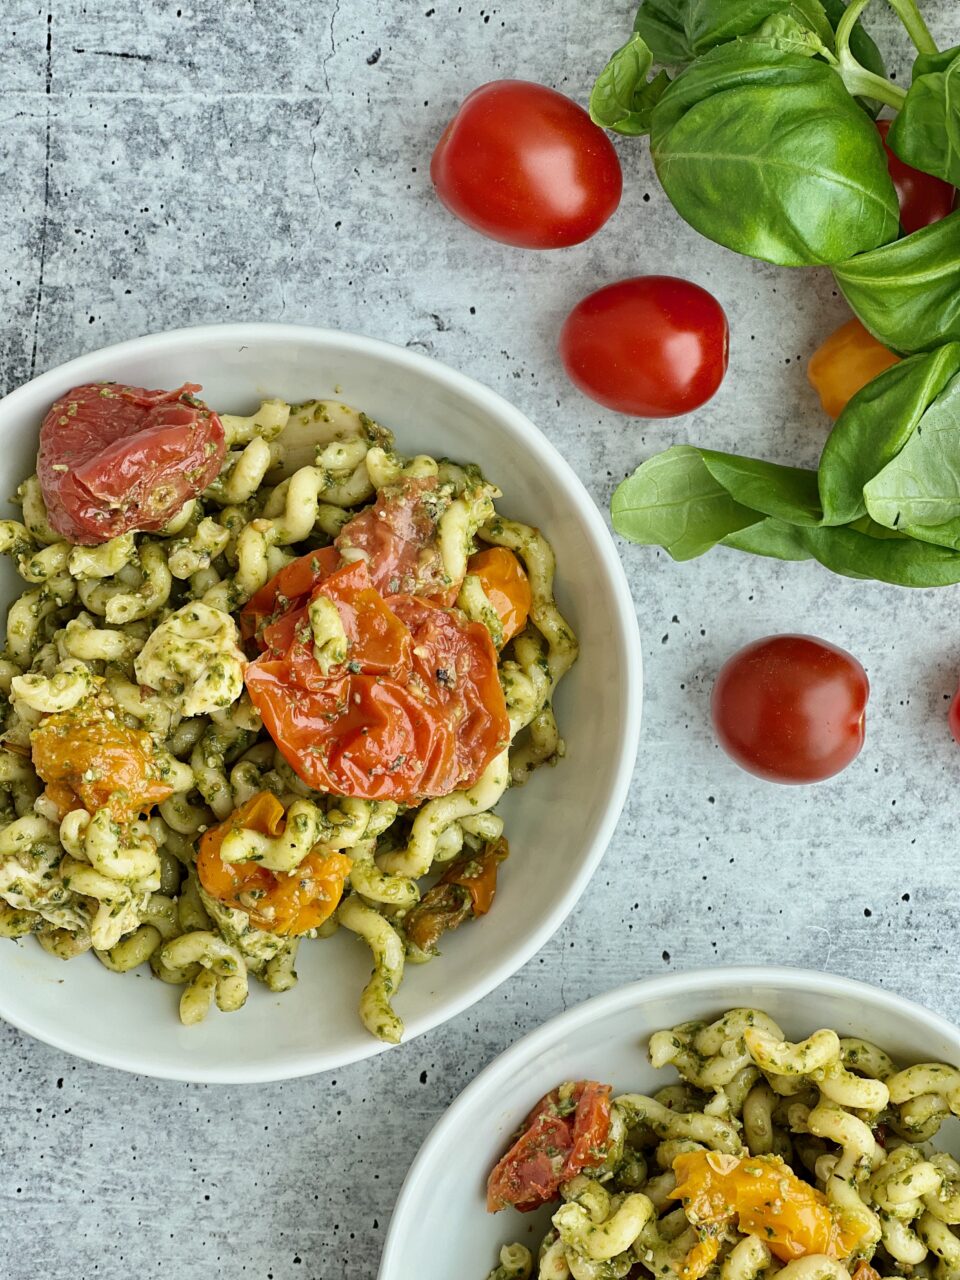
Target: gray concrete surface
column 171, row 163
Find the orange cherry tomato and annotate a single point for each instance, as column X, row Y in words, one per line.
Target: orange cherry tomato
column 465, row 889
column 768, row 1200
column 505, row 585
column 276, row 903
column 849, row 359
column 88, row 757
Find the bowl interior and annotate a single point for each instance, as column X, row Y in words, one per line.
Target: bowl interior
column 559, row 823
column 605, row 1039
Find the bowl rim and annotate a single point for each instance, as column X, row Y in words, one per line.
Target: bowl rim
column 623, row 618
column 619, row 1001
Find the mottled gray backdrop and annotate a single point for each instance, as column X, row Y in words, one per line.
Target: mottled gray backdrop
column 171, row 164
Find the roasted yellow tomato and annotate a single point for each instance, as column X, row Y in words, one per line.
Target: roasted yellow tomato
column 277, row 903
column 849, row 359
column 88, row 757
column 505, row 585
column 768, row 1200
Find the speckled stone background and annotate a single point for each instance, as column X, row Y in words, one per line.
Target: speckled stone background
column 166, row 164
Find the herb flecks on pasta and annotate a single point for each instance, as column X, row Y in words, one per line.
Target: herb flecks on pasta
column 262, row 693
column 810, row 1160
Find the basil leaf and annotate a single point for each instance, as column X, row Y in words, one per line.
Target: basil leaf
column 908, row 293
column 713, row 22
column 918, row 491
column 926, row 133
column 787, row 493
column 767, row 153
column 786, row 34
column 773, row 538
column 672, row 501
column 876, row 425
column 661, row 24
column 900, row 561
column 622, row 98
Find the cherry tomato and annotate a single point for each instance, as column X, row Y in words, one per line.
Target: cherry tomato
column 288, row 590
column 953, row 716
column 416, row 710
column 289, row 904
column 114, row 458
column 505, row 585
column 565, row 1133
column 89, row 758
column 397, row 536
column 768, row 1200
column 791, row 708
column 844, row 363
column 651, row 347
column 923, row 198
column 524, row 164
column 465, row 889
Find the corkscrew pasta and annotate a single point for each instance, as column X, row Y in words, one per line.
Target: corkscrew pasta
column 812, row 1160
column 155, row 808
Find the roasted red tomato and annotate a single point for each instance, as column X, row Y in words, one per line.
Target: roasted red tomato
column 923, row 198
column 525, row 165
column 416, row 710
column 288, row 590
column 651, row 347
column 953, row 717
column 565, row 1133
column 791, row 708
column 114, row 458
column 290, row 904
column 397, row 536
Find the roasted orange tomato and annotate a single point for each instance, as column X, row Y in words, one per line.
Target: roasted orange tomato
column 286, row 904
column 465, row 889
column 849, row 359
column 768, row 1199
column 288, row 590
column 88, row 757
column 505, row 585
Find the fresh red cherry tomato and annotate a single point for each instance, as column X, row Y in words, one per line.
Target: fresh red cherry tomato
column 791, row 708
column 523, row 164
column 923, row 198
column 651, row 346
column 953, row 716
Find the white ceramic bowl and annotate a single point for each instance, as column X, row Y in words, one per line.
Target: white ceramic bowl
column 440, row 1227
column 559, row 825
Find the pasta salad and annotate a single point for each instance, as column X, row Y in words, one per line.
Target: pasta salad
column 268, row 679
column 810, row 1160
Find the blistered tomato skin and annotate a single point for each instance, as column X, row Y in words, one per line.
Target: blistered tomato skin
column 114, row 458
column 649, row 347
column 953, row 717
column 526, row 165
column 791, row 708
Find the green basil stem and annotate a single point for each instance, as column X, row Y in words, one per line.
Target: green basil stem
column 912, row 19
column 858, row 80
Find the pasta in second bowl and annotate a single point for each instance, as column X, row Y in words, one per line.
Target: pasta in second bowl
column 587, row 1118
column 178, row 656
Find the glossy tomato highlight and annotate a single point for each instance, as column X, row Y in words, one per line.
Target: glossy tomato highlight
column 791, row 708
column 526, row 165
column 650, row 347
